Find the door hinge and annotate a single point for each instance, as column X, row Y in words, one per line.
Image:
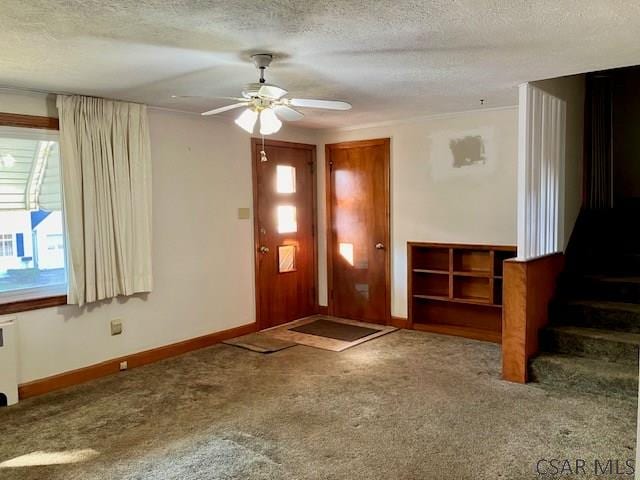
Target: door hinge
column 330, row 165
column 312, row 168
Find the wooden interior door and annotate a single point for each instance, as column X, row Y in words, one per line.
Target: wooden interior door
column 358, row 230
column 284, row 231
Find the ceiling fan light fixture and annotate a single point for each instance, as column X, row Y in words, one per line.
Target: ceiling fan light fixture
column 270, row 103
column 247, row 120
column 269, row 122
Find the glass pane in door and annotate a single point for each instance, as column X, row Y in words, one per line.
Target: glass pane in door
column 286, row 215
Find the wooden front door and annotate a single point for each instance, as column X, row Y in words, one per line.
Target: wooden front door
column 284, row 231
column 358, row 230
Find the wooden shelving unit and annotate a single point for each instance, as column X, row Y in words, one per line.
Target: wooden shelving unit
column 456, row 289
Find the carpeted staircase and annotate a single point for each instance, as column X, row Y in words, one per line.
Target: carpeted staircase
column 592, row 342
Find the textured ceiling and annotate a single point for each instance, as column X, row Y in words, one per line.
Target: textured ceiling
column 391, row 59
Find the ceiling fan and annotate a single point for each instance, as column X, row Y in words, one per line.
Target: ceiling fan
column 268, row 103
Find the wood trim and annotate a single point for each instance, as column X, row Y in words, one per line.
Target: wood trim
column 314, row 194
column 256, row 228
column 410, row 286
column 358, row 143
column 514, row 318
column 328, row 227
column 528, row 288
column 34, row 304
column 81, row 375
column 400, row 322
column 329, row 216
column 473, row 333
column 28, row 121
column 282, row 143
column 477, row 334
column 388, row 249
column 256, row 237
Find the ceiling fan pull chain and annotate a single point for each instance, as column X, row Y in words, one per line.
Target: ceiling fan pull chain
column 263, row 154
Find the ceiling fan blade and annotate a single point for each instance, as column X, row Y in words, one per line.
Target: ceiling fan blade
column 224, row 109
column 326, row 104
column 272, row 92
column 287, row 113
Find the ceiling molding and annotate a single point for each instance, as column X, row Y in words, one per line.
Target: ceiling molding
column 422, row 118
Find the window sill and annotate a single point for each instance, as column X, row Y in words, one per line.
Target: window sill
column 34, row 304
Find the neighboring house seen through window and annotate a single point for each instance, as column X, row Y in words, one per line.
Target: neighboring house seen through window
column 32, row 247
column 6, row 245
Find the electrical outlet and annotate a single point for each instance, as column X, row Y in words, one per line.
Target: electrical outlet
column 116, row 326
column 124, row 365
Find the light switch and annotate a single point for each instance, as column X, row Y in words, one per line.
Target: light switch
column 244, row 213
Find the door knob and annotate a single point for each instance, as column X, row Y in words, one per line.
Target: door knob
column 263, row 249
column 380, row 246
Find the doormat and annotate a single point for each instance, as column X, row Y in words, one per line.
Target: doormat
column 337, row 330
column 328, row 333
column 258, row 342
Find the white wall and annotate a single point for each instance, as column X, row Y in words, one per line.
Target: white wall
column 430, row 200
column 27, row 103
column 202, row 254
column 572, row 90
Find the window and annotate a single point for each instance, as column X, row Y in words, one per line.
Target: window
column 32, row 249
column 346, row 251
column 285, row 179
column 287, row 222
column 6, row 245
column 286, row 258
column 54, row 241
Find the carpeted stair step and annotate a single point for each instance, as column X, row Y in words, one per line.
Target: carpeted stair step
column 619, row 261
column 609, row 345
column 614, row 288
column 584, row 374
column 618, row 316
column 625, row 263
column 596, row 261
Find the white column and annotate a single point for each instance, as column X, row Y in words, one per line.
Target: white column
column 541, row 151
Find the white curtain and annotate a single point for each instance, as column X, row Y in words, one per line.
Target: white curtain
column 106, row 183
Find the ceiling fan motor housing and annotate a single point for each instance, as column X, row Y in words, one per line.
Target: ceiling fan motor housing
column 251, row 90
column 262, row 60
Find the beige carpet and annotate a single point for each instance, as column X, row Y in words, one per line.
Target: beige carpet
column 407, row 406
column 284, row 332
